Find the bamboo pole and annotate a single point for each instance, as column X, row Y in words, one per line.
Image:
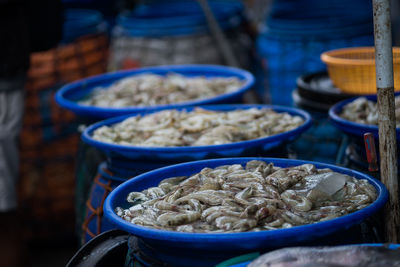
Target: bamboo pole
column 386, row 111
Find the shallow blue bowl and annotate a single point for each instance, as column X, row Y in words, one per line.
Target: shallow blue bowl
column 200, row 249
column 69, row 94
column 188, row 153
column 353, row 128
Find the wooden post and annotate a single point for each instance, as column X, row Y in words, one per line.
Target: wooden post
column 386, row 111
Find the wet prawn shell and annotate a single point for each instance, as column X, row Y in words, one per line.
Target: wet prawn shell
column 151, row 89
column 364, row 111
column 237, row 208
column 199, row 127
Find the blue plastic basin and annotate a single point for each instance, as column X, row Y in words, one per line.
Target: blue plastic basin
column 353, row 128
column 181, row 154
column 68, row 95
column 199, row 249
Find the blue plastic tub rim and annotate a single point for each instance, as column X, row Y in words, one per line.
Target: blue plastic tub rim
column 87, row 134
column 78, row 19
column 181, row 12
column 155, row 234
column 337, row 34
column 177, row 18
column 351, row 127
column 79, row 22
column 72, row 105
column 178, row 14
column 122, row 30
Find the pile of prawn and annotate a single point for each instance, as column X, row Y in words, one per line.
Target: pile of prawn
column 197, row 128
column 152, row 89
column 364, row 111
column 231, row 198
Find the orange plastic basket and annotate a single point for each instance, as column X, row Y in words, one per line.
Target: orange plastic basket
column 352, row 70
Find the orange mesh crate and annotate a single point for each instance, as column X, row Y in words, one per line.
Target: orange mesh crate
column 46, row 195
column 85, row 57
column 352, row 70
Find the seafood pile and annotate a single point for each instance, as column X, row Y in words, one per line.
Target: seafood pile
column 197, row 128
column 152, row 89
column 349, row 256
column 259, row 196
column 365, row 111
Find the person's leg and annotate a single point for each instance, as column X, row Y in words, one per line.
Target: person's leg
column 9, row 163
column 11, row 113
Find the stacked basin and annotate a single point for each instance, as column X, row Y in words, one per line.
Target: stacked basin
column 130, row 168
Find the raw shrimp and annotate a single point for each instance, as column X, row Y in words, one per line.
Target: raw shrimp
column 232, row 198
column 172, row 128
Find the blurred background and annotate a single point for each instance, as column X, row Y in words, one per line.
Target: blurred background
column 277, row 40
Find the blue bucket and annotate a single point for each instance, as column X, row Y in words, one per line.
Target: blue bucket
column 188, row 249
column 177, row 18
column 171, row 155
column 80, row 22
column 285, row 60
column 68, row 95
column 104, row 182
column 322, row 9
column 297, row 32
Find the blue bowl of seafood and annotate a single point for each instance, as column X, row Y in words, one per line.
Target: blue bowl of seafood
column 208, row 125
column 357, row 116
column 154, row 88
column 182, row 219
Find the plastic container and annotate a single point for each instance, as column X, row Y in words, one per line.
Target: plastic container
column 286, row 59
column 107, row 249
column 353, row 69
column 239, row 261
column 169, row 155
column 68, row 96
column 178, row 18
column 353, row 129
column 297, row 32
column 318, row 87
column 46, row 190
column 84, row 57
column 188, row 249
column 79, row 22
column 177, row 32
column 104, row 182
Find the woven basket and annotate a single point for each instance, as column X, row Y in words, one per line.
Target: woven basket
column 46, row 195
column 86, row 56
column 352, row 70
column 64, row 147
column 49, row 138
